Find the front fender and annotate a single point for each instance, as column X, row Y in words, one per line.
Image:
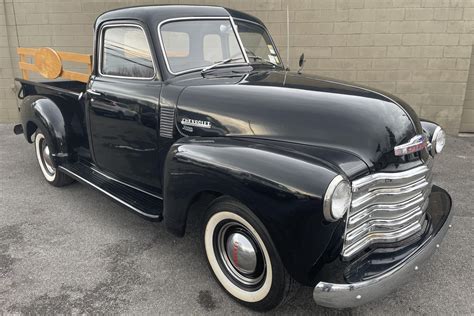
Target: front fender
column 285, row 190
column 429, row 128
column 44, row 113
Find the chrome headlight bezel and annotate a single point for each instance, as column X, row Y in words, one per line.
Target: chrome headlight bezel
column 438, row 141
column 338, row 185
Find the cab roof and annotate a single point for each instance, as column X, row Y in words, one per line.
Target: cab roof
column 152, row 15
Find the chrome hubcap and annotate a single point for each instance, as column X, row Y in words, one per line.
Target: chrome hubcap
column 240, row 255
column 46, row 155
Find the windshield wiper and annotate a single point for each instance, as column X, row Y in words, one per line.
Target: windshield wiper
column 222, row 62
column 255, row 57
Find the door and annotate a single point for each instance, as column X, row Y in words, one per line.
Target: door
column 123, row 106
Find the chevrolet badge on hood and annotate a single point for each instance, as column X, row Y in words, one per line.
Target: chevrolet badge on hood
column 415, row 144
column 196, row 123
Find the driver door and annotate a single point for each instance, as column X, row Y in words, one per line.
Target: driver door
column 123, row 106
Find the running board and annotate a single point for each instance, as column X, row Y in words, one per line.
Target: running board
column 144, row 203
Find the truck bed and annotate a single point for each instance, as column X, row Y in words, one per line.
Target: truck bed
column 65, row 94
column 63, row 87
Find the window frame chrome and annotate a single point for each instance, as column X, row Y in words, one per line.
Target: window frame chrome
column 234, row 28
column 101, row 50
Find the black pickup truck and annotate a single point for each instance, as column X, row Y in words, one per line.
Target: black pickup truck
column 299, row 179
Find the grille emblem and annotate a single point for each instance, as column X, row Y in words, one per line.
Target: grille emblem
column 415, row 144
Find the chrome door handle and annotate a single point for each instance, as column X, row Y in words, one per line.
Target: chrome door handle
column 93, row 92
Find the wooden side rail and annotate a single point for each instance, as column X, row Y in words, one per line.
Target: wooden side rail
column 49, row 63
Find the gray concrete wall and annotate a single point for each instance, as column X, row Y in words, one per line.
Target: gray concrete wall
column 419, row 50
column 467, row 120
column 8, row 41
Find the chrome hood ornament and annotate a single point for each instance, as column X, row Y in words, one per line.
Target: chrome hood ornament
column 415, row 144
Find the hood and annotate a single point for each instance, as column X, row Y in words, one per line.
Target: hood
column 301, row 109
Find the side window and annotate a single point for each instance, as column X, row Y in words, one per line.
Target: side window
column 126, row 53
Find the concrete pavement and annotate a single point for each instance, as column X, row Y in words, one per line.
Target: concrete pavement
column 72, row 250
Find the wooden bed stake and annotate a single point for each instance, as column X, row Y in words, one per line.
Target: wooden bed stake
column 49, row 63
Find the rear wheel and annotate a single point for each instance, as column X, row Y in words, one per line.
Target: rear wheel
column 43, row 154
column 243, row 258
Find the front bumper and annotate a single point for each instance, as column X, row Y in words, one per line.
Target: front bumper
column 346, row 295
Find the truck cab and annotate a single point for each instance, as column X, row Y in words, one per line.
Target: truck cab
column 299, row 179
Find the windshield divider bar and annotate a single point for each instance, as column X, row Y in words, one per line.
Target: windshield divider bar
column 242, row 48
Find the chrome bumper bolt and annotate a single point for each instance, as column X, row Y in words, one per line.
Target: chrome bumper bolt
column 416, row 268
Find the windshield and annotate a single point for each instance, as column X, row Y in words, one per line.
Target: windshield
column 196, row 44
column 257, row 43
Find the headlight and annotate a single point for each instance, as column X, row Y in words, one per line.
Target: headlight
column 337, row 199
column 439, row 140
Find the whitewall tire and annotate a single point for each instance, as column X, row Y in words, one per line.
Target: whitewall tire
column 44, row 156
column 242, row 256
column 238, row 292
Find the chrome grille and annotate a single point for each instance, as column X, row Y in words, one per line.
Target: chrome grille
column 386, row 208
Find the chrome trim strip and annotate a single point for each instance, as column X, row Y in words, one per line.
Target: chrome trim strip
column 162, row 47
column 167, row 120
column 236, row 32
column 419, row 205
column 355, row 294
column 386, row 237
column 379, row 226
column 107, row 193
column 384, row 176
column 93, row 92
column 393, row 195
column 375, row 211
column 100, row 48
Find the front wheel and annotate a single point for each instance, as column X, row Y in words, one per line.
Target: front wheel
column 243, row 258
column 43, row 153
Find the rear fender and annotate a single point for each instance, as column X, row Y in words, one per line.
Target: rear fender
column 284, row 190
column 43, row 113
